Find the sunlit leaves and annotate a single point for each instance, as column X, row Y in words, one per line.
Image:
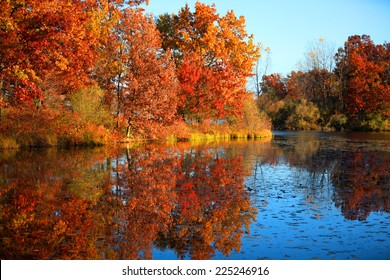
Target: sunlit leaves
column 274, row 85
column 214, row 56
column 361, row 67
column 146, row 82
column 44, row 42
column 50, row 50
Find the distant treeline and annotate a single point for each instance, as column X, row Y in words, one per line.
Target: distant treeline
column 349, row 89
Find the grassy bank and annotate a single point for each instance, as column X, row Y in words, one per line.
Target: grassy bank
column 230, row 135
column 182, row 132
column 88, row 139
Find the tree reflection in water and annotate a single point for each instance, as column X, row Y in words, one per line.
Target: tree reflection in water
column 362, row 183
column 191, row 200
column 358, row 170
column 44, row 215
column 64, row 206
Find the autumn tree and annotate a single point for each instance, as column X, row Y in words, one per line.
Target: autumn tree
column 107, row 64
column 317, row 86
column 214, row 56
column 146, row 81
column 363, row 68
column 316, row 81
column 46, row 47
column 307, row 98
column 274, row 85
column 287, row 101
column 47, row 52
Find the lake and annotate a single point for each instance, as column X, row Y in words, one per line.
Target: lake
column 300, row 195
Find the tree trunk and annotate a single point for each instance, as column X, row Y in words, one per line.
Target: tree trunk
column 128, row 129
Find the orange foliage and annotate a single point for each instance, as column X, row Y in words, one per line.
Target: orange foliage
column 50, row 50
column 274, row 85
column 362, row 67
column 49, row 43
column 214, row 56
column 360, row 191
column 147, row 87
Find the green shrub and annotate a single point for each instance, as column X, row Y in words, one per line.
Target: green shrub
column 8, row 143
column 89, row 104
column 386, row 125
column 338, row 121
column 304, row 116
column 253, row 119
column 375, row 122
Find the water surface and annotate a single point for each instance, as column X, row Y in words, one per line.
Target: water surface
column 304, row 195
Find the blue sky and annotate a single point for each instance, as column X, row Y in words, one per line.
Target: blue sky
column 288, row 27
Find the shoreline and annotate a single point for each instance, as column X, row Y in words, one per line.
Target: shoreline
column 8, row 143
